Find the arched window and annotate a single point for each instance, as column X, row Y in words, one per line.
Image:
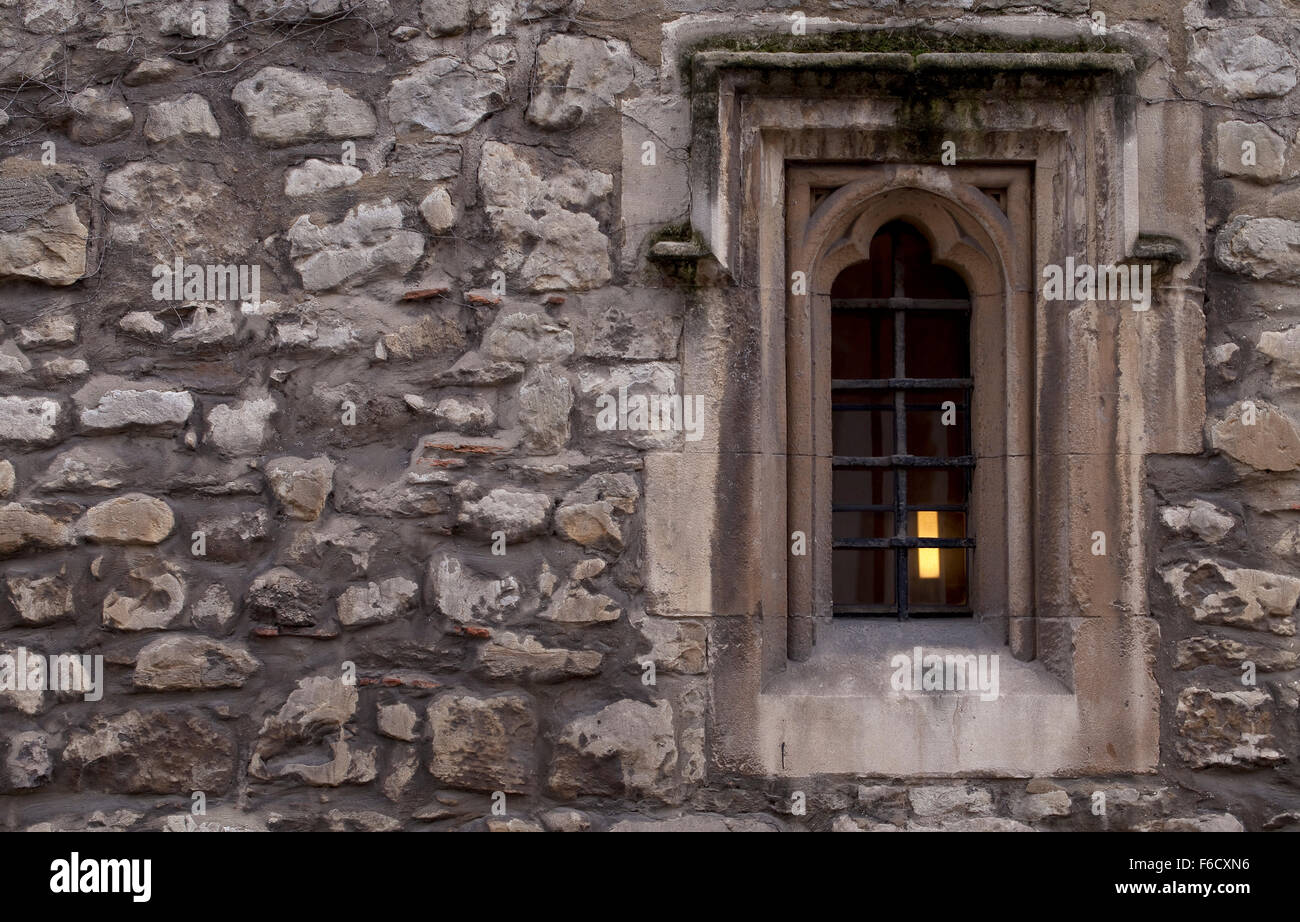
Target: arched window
column 900, row 410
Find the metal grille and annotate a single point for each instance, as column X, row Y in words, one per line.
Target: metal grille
column 901, row 463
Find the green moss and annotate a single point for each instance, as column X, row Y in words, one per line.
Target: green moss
column 900, row 41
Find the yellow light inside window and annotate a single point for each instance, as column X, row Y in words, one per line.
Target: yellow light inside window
column 927, row 526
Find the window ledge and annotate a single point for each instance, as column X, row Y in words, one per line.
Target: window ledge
column 837, row 712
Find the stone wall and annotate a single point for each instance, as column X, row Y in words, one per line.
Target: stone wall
column 357, row 552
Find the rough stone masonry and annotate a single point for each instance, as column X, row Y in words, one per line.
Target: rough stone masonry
column 353, row 548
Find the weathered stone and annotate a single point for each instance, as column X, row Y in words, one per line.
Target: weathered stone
column 179, row 19
column 240, row 428
column 185, row 663
column 1206, row 822
column 41, row 599
column 562, row 820
column 545, row 400
column 483, row 744
column 315, row 711
column 285, row 106
column 509, row 656
column 1260, row 248
column 939, row 800
column 213, row 611
column 511, row 824
column 131, row 519
column 42, row 237
column 519, row 514
column 301, row 485
column 142, row 323
column 527, row 337
column 1283, row 349
column 425, row 156
column 446, row 17
column 466, row 598
column 437, row 210
column 376, row 603
column 282, row 596
column 630, row 324
column 587, row 514
column 27, row 762
column 161, row 209
column 447, row 95
column 119, row 409
column 7, row 478
column 699, row 822
column 626, row 749
column 1242, row 63
column 158, row 596
column 12, row 361
column 1252, row 150
column 98, row 116
column 28, row 419
column 315, row 176
column 175, row 119
column 22, row 529
column 1252, row 599
column 152, row 752
column 397, row 721
column 368, row 242
column 360, row 821
column 341, row 544
column 472, row 370
column 1203, row 519
column 50, row 330
column 1224, row 651
column 561, row 249
column 1034, row 808
column 209, row 323
column 1225, row 728
column 575, row 76
column 296, row 11
column 578, row 606
column 973, row 824
column 1258, row 434
column 676, row 646
column 627, row 405
column 432, row 334
column 464, row 414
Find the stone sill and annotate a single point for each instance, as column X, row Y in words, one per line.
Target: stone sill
column 836, row 713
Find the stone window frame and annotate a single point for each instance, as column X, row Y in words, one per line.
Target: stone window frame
column 969, row 233
column 1089, row 704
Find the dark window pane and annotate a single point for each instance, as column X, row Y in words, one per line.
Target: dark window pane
column 856, row 524
column 862, row 577
column 862, row 424
column 862, row 344
column 927, row 434
column 943, row 486
column 936, row 577
column 938, row 344
column 862, row 487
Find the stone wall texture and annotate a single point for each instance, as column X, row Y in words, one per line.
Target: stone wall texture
column 356, row 553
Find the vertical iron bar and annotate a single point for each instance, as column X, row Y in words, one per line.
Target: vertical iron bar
column 900, row 448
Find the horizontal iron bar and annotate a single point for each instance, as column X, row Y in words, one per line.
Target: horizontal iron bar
column 889, row 507
column 899, row 384
column 847, row 461
column 875, row 611
column 874, row 543
column 889, row 408
column 899, row 304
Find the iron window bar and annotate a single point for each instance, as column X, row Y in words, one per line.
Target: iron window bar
column 899, row 464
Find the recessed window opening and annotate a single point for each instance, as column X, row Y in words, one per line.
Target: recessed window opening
column 901, row 407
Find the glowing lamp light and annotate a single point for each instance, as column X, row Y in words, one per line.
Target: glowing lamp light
column 927, row 526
